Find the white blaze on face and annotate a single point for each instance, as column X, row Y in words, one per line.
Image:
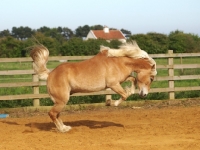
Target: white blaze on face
column 143, row 91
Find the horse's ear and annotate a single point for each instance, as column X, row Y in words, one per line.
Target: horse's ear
column 153, row 70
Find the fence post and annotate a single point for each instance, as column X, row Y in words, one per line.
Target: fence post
column 171, row 74
column 36, row 102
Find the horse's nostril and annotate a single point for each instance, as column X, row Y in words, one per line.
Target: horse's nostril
column 143, row 95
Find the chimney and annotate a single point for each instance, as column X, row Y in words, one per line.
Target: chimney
column 106, row 29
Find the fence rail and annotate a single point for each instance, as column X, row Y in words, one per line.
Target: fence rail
column 36, row 95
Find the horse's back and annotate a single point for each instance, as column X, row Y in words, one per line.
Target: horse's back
column 84, row 76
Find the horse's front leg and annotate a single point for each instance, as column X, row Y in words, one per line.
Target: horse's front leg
column 131, row 90
column 123, row 93
column 119, row 90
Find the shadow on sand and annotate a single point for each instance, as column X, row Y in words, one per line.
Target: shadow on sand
column 92, row 124
column 87, row 123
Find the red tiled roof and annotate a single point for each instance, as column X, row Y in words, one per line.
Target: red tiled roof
column 112, row 34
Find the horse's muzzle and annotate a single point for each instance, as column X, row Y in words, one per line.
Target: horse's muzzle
column 142, row 94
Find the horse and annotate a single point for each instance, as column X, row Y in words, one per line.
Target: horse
column 108, row 69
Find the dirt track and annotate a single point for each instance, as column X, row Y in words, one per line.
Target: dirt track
column 166, row 128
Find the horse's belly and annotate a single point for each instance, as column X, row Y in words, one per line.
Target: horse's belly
column 87, row 86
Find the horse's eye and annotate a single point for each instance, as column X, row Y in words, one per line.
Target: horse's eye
column 151, row 79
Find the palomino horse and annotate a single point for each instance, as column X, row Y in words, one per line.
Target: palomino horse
column 107, row 69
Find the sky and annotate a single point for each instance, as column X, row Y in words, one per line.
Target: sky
column 137, row 16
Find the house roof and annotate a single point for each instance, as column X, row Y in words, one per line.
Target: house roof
column 112, row 34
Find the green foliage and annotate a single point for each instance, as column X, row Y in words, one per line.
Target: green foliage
column 64, row 41
column 177, row 42
column 5, row 33
column 152, row 43
column 126, row 32
column 182, row 43
column 96, row 27
column 51, row 43
column 77, row 46
column 14, row 103
column 82, row 31
column 73, row 47
column 22, row 33
column 10, row 47
column 114, row 44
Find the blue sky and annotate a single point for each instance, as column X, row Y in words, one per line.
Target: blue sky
column 137, row 16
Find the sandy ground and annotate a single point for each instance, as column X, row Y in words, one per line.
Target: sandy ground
column 147, row 128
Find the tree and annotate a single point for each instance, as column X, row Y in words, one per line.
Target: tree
column 59, row 33
column 22, row 33
column 92, row 46
column 52, row 32
column 115, row 44
column 10, row 47
column 158, row 43
column 193, row 43
column 141, row 40
column 77, row 46
column 5, row 33
column 82, row 31
column 181, row 42
column 153, row 43
column 51, row 43
column 177, row 41
column 67, row 33
column 126, row 32
column 44, row 29
column 96, row 27
column 72, row 47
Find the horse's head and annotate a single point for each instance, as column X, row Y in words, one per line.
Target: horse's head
column 144, row 79
column 139, row 61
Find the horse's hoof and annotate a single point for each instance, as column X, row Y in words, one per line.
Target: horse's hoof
column 108, row 102
column 65, row 129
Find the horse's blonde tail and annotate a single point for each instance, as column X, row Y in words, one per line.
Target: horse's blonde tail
column 40, row 54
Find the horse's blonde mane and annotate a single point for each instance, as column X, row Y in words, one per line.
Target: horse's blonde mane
column 130, row 49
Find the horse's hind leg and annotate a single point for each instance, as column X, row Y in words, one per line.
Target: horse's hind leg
column 54, row 114
column 65, row 128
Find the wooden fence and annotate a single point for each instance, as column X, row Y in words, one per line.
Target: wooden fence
column 36, row 95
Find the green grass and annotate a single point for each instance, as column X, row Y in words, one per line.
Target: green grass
column 15, row 66
column 185, row 60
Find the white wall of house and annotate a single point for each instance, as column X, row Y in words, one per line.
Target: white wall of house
column 91, row 36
